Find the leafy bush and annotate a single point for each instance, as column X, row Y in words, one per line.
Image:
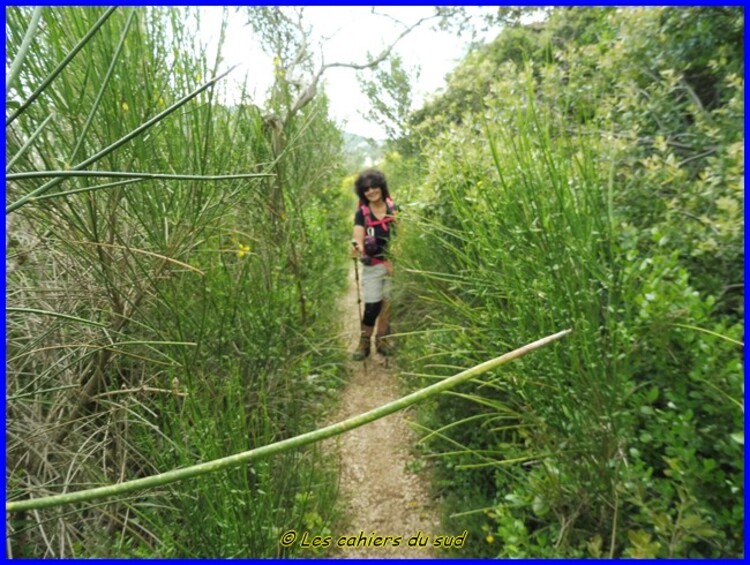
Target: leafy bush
column 598, row 186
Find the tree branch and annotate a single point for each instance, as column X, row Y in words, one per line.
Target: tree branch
column 383, row 55
column 309, row 93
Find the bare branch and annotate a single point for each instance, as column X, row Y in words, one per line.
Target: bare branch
column 305, row 98
column 383, row 55
column 389, row 16
column 303, row 53
column 309, row 93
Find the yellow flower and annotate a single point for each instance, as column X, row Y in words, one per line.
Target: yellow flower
column 124, row 106
column 244, row 250
column 276, row 61
column 198, row 77
column 160, row 102
column 490, row 538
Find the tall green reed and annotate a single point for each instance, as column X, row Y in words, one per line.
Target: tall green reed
column 526, row 218
column 517, row 240
column 571, row 190
column 138, row 308
column 279, row 447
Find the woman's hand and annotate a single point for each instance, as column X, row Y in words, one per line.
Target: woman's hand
column 388, row 267
column 356, row 251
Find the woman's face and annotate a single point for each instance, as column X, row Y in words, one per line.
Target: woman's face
column 373, row 193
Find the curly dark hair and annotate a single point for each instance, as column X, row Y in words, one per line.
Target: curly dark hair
column 368, row 178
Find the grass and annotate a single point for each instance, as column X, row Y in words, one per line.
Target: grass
column 269, row 449
column 517, row 248
column 521, row 225
column 151, row 322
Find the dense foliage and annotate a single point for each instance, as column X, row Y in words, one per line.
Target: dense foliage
column 158, row 322
column 585, row 172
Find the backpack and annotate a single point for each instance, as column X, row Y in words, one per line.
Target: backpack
column 370, row 242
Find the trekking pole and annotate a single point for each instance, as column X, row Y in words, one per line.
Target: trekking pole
column 356, row 278
column 359, row 299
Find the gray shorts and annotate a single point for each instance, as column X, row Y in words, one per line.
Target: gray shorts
column 376, row 283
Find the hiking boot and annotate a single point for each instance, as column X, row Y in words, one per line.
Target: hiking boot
column 383, row 346
column 363, row 351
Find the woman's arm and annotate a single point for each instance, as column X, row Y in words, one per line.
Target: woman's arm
column 358, row 236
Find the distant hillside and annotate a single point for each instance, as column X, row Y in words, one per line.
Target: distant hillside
column 361, row 152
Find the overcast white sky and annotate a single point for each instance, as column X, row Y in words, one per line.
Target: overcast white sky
column 352, row 31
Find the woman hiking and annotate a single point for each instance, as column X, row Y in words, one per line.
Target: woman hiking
column 374, row 225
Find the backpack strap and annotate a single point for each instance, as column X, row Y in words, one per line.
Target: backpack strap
column 390, row 215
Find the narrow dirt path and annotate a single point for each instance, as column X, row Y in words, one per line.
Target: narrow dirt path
column 382, row 493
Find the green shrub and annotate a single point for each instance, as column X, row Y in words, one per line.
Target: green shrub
column 621, row 222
